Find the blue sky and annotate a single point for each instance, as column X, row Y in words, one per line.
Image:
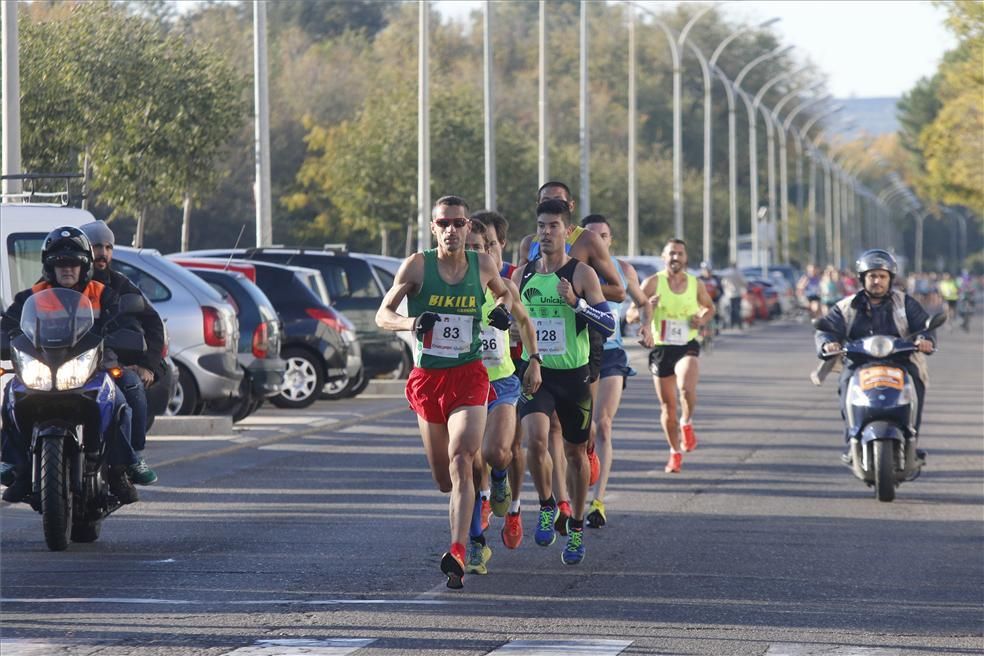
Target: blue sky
column 867, row 49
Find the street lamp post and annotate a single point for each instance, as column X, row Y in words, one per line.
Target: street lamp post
column 753, row 154
column 677, row 137
column 542, row 156
column 800, row 207
column 633, row 209
column 732, row 186
column 490, row 193
column 585, row 121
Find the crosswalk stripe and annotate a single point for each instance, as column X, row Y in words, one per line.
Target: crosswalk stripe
column 303, row 647
column 803, row 649
column 561, row 648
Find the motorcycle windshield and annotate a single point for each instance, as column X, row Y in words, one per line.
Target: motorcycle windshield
column 56, row 318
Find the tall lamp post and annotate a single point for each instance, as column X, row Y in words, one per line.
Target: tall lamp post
column 753, row 154
column 490, row 192
column 800, row 207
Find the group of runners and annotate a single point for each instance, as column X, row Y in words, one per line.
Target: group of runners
column 532, row 354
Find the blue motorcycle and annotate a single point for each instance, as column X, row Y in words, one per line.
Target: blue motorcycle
column 881, row 408
column 64, row 396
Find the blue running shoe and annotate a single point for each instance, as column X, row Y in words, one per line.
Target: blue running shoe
column 545, row 535
column 573, row 553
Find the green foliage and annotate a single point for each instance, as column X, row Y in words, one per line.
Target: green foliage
column 150, row 108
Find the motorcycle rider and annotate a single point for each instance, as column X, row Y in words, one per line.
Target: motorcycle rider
column 878, row 309
column 138, row 373
column 66, row 258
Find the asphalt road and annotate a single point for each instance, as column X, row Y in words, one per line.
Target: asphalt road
column 325, row 525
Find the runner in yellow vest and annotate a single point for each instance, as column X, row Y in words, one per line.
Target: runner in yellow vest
column 680, row 305
column 500, row 429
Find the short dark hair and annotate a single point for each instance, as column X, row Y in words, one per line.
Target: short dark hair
column 450, row 201
column 594, row 218
column 477, row 227
column 554, row 206
column 553, row 183
column 674, row 240
column 493, row 220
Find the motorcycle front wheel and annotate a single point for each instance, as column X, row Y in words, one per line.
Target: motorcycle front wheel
column 56, row 495
column 884, row 461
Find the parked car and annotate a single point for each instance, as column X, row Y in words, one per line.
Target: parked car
column 385, row 269
column 203, row 333
column 354, row 289
column 259, row 341
column 319, row 344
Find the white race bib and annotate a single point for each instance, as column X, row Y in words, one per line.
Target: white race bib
column 450, row 337
column 493, row 340
column 550, row 336
column 674, row 331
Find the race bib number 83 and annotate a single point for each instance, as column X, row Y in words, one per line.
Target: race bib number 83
column 450, row 337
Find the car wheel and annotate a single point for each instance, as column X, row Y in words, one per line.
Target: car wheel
column 402, row 371
column 359, row 384
column 186, row 398
column 338, row 388
column 303, row 379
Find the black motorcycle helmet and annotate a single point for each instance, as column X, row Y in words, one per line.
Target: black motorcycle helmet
column 67, row 245
column 876, row 258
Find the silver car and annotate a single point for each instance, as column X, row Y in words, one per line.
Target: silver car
column 202, row 328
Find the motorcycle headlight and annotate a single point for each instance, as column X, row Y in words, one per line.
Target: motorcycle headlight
column 33, row 373
column 76, row 371
column 879, row 346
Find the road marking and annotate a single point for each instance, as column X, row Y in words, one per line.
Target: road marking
column 802, row 649
column 303, row 647
column 562, row 648
column 220, row 602
column 32, row 647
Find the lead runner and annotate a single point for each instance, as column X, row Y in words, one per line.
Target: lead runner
column 449, row 387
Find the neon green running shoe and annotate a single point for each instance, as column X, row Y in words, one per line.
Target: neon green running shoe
column 501, row 496
column 596, row 514
column 478, row 558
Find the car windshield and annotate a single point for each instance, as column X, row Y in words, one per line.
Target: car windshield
column 56, row 318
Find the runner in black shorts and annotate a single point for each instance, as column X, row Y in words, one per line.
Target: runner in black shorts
column 564, row 300
column 680, row 305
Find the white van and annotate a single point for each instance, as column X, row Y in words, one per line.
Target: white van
column 23, row 227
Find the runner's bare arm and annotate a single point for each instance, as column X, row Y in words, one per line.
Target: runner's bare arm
column 706, row 311
column 590, row 249
column 407, row 283
column 524, row 251
column 495, row 282
column 532, row 378
column 639, row 297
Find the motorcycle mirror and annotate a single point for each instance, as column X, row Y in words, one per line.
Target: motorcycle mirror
column 935, row 321
column 132, row 304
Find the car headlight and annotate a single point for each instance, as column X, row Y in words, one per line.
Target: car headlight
column 76, row 371
column 879, row 346
column 33, row 373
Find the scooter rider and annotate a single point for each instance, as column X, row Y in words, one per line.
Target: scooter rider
column 141, row 372
column 878, row 309
column 66, row 258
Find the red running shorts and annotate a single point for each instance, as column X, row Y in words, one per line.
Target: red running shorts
column 435, row 393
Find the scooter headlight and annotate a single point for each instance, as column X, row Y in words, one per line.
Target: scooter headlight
column 879, row 346
column 76, row 371
column 32, row 372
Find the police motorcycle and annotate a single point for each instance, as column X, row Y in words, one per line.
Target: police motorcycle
column 881, row 408
column 63, row 397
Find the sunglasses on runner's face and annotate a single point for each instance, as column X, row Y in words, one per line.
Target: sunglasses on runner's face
column 445, row 223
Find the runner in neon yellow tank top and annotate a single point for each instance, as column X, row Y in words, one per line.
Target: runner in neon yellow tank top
column 680, row 305
column 500, row 429
column 450, row 390
column 565, row 301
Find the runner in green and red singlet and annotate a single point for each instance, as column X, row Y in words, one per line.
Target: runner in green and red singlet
column 449, row 387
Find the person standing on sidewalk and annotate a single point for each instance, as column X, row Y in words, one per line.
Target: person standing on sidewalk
column 680, row 306
column 564, row 298
column 449, row 387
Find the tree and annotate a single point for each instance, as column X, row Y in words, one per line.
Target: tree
column 149, row 109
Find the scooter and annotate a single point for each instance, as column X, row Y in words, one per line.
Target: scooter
column 882, row 407
column 63, row 397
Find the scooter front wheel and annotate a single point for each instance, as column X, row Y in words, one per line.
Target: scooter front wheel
column 884, row 462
